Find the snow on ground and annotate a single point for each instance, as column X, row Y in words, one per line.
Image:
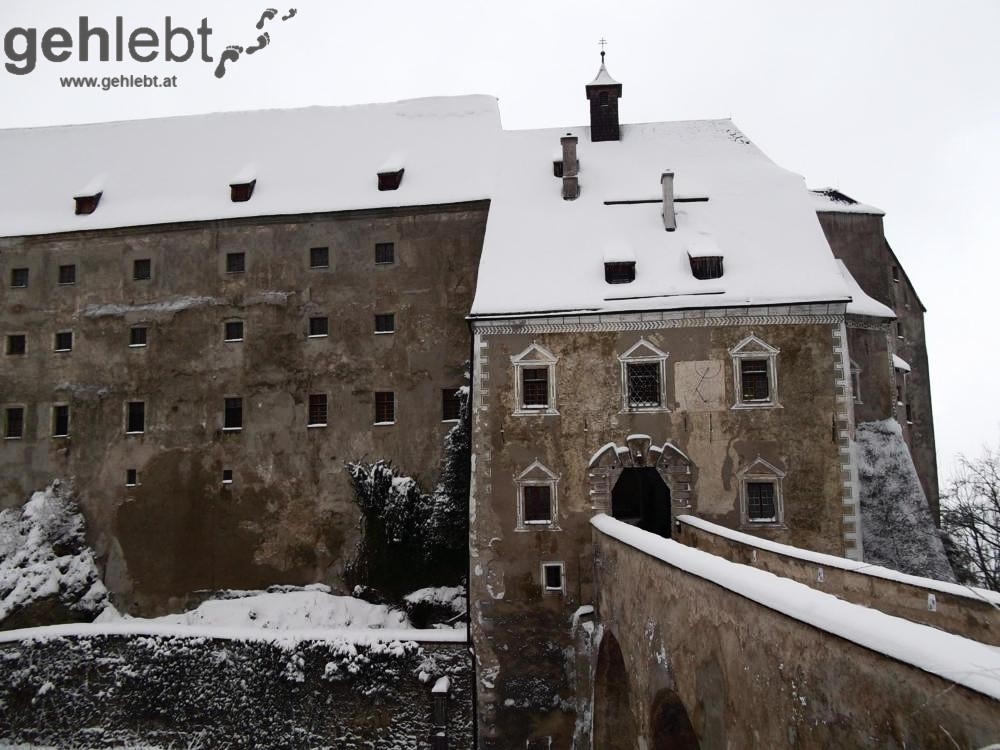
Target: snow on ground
column 43, row 556
column 962, row 660
column 842, row 563
column 452, row 597
column 897, row 528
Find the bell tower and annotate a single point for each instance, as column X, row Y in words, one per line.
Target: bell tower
column 604, row 93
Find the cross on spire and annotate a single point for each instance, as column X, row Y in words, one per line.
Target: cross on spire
column 603, row 43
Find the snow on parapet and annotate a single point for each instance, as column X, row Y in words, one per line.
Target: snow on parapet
column 861, row 303
column 544, row 254
column 960, row 660
column 841, row 563
column 831, row 200
column 314, row 159
column 900, row 364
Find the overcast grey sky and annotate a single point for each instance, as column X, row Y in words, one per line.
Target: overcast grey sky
column 896, row 102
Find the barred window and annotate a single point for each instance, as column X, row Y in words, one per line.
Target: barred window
column 14, row 422
column 138, row 335
column 643, row 385
column 385, row 323
column 760, row 501
column 451, row 405
column 385, row 407
column 64, row 341
column 385, row 253
column 537, row 503
column 142, row 269
column 236, row 262
column 754, row 380
column 233, row 414
column 317, row 410
column 319, row 327
column 67, row 274
column 535, row 386
column 319, row 257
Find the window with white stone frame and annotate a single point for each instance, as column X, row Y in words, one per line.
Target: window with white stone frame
column 537, row 498
column 644, row 378
column 534, row 381
column 761, row 501
column 755, row 374
column 553, row 578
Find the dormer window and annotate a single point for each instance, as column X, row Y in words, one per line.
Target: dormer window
column 706, row 266
column 87, row 204
column 241, row 192
column 390, row 180
column 619, row 272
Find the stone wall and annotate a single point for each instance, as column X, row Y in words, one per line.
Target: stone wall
column 171, row 691
column 747, row 676
column 288, row 516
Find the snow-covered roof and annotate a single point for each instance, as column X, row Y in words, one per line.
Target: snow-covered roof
column 900, row 364
column 831, row 200
column 861, row 303
column 542, row 253
column 304, row 160
column 603, row 78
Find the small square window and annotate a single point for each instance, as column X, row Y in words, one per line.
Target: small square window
column 14, row 423
column 135, row 417
column 131, row 477
column 64, row 341
column 319, row 327
column 17, row 343
column 19, row 277
column 643, row 385
column 535, row 386
column 760, row 502
column 754, row 380
column 552, row 576
column 319, row 257
column 451, row 405
column 385, row 407
column 60, row 420
column 137, row 336
column 537, row 504
column 385, row 323
column 233, row 330
column 233, row 414
column 142, row 269
column 236, row 262
column 67, row 274
column 227, row 476
column 385, row 253
column 317, row 410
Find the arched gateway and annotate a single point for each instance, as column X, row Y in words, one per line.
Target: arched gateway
column 640, row 483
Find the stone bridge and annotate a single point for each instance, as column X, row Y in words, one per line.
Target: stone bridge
column 693, row 650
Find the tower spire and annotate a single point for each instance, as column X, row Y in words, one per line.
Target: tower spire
column 604, row 93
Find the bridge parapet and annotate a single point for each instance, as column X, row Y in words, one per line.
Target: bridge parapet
column 712, row 653
column 963, row 610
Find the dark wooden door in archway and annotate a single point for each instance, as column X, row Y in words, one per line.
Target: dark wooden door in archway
column 641, row 497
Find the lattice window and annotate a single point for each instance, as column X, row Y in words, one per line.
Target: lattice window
column 754, row 380
column 643, row 385
column 385, row 407
column 385, row 253
column 760, row 501
column 317, row 410
column 535, row 386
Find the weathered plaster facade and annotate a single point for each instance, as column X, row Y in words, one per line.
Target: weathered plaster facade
column 288, row 515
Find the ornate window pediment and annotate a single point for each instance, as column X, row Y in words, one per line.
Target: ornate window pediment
column 537, row 498
column 761, row 500
column 534, row 381
column 755, row 374
column 644, row 378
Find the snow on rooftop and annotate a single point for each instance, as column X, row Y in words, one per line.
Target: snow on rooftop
column 900, row 364
column 543, row 253
column 861, row 303
column 307, row 160
column 603, row 78
column 831, row 200
column 961, row 660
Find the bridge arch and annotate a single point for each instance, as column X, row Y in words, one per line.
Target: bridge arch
column 614, row 723
column 670, row 726
column 641, row 465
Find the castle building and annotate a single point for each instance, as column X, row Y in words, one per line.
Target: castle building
column 205, row 317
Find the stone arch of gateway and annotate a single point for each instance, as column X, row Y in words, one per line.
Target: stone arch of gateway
column 641, row 483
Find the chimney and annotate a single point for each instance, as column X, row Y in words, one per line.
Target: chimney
column 669, row 217
column 571, row 168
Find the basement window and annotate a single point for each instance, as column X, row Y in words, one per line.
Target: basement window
column 385, row 407
column 643, row 373
column 232, row 414
column 385, row 323
column 390, row 180
column 138, row 336
column 385, row 253
column 87, row 204
column 64, row 341
column 319, row 327
column 142, row 269
column 131, row 477
column 553, row 578
column 451, row 405
column 706, row 266
column 619, row 273
column 317, row 410
column 14, row 423
column 241, row 192
column 19, row 278
column 236, row 262
column 17, row 344
column 319, row 257
column 67, row 275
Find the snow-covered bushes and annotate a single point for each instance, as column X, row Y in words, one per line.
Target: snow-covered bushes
column 47, row 571
column 411, row 538
column 898, row 530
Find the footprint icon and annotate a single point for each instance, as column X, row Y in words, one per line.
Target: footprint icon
column 267, row 15
column 262, row 41
column 292, row 12
column 230, row 54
